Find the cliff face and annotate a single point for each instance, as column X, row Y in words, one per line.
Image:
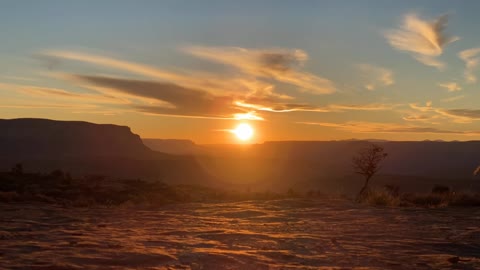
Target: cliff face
column 83, row 148
column 173, row 146
column 44, row 138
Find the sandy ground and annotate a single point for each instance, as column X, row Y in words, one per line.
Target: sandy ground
column 286, row 234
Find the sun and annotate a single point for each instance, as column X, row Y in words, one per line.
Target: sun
column 243, row 132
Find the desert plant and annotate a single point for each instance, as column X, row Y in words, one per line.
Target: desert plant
column 427, row 200
column 393, row 190
column 367, row 163
column 440, row 189
column 465, row 199
column 380, row 198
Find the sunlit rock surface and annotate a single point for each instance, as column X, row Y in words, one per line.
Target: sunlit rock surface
column 284, row 234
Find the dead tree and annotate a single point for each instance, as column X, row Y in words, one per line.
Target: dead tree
column 367, row 163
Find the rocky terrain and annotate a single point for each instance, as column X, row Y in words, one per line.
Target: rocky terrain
column 277, row 234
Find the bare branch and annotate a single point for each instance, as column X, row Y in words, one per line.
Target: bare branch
column 367, row 163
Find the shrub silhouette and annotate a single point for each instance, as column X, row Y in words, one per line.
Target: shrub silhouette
column 393, row 190
column 367, row 163
column 439, row 189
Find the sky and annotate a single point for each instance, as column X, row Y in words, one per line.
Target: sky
column 293, row 70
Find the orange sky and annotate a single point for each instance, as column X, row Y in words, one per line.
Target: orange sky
column 323, row 70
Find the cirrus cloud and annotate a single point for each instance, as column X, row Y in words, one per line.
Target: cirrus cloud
column 374, row 127
column 450, row 86
column 278, row 64
column 471, row 62
column 376, row 76
column 425, row 40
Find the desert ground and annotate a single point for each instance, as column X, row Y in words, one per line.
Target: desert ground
column 277, row 234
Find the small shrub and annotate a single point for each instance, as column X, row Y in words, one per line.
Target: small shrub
column 380, row 198
column 427, row 200
column 393, row 190
column 439, row 189
column 464, row 199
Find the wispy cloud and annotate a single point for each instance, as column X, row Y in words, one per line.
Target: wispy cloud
column 280, row 107
column 55, row 94
column 373, row 127
column 425, row 40
column 430, row 61
column 278, row 64
column 39, row 105
column 247, row 93
column 451, row 99
column 471, row 62
column 233, row 95
column 365, row 107
column 427, row 108
column 291, row 107
column 184, row 101
column 214, row 83
column 450, row 86
column 417, row 117
column 198, row 103
column 376, row 76
column 464, row 113
column 462, row 116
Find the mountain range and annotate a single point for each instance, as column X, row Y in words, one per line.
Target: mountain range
column 83, row 148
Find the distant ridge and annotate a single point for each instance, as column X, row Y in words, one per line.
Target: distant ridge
column 326, row 161
column 84, row 148
column 31, row 137
column 172, row 146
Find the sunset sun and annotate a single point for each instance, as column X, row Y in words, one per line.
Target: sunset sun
column 243, row 132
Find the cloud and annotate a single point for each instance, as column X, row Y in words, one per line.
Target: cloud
column 213, row 83
column 376, row 76
column 196, row 103
column 20, row 102
column 457, row 115
column 367, row 107
column 280, row 107
column 278, row 64
column 246, row 94
column 451, row 99
column 471, row 62
column 430, row 61
column 184, row 101
column 371, row 127
column 36, row 105
column 464, row 113
column 55, row 94
column 425, row 40
column 417, row 117
column 450, row 86
column 292, row 107
column 427, row 108
column 145, row 70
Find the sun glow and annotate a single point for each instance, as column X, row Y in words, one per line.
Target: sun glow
column 243, row 132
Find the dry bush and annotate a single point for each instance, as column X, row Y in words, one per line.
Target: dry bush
column 380, row 198
column 426, row 200
column 464, row 199
column 430, row 200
